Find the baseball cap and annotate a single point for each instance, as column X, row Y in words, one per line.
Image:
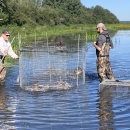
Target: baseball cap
column 101, row 25
column 5, row 32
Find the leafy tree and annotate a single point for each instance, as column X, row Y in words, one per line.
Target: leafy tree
column 52, row 12
column 103, row 15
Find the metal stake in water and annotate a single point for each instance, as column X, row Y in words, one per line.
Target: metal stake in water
column 50, row 67
column 84, row 63
column 19, row 42
column 78, row 59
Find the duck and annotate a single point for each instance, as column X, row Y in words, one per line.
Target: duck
column 37, row 86
column 78, row 71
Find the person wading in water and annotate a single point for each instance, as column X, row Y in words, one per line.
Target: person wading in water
column 5, row 48
column 103, row 44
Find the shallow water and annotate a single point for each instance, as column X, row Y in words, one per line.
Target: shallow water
column 80, row 108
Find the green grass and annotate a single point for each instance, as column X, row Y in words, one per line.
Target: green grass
column 27, row 35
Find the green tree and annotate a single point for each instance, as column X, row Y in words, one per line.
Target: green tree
column 52, row 12
column 103, row 15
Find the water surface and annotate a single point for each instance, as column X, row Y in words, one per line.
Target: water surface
column 80, row 108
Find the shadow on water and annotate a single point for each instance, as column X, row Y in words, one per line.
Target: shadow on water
column 91, row 76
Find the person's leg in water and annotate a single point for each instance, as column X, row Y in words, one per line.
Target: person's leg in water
column 109, row 72
column 101, row 68
column 2, row 72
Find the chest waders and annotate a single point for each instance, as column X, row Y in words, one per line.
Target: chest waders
column 2, row 70
column 103, row 64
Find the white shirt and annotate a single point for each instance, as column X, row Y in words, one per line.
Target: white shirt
column 6, row 45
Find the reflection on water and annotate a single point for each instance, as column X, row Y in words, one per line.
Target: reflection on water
column 105, row 108
column 6, row 110
column 2, row 97
column 83, row 107
column 113, row 102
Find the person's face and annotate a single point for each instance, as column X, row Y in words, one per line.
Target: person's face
column 5, row 36
column 98, row 30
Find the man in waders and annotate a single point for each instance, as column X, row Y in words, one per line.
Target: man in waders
column 5, row 48
column 103, row 44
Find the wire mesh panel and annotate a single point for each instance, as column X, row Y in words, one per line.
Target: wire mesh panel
column 52, row 67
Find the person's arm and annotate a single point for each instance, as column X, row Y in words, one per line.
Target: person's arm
column 12, row 53
column 96, row 46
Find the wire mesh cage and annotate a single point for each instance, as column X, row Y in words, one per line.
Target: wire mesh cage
column 54, row 66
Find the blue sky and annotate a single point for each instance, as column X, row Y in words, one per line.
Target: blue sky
column 120, row 8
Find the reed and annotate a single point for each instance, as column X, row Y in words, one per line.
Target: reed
column 31, row 35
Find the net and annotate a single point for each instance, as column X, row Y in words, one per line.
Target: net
column 52, row 66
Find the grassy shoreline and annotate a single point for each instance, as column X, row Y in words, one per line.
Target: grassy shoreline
column 28, row 34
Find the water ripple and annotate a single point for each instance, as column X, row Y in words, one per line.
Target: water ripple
column 83, row 107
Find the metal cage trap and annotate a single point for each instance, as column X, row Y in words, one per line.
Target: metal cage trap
column 52, row 66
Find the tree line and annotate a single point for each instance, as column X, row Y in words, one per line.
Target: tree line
column 52, row 12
